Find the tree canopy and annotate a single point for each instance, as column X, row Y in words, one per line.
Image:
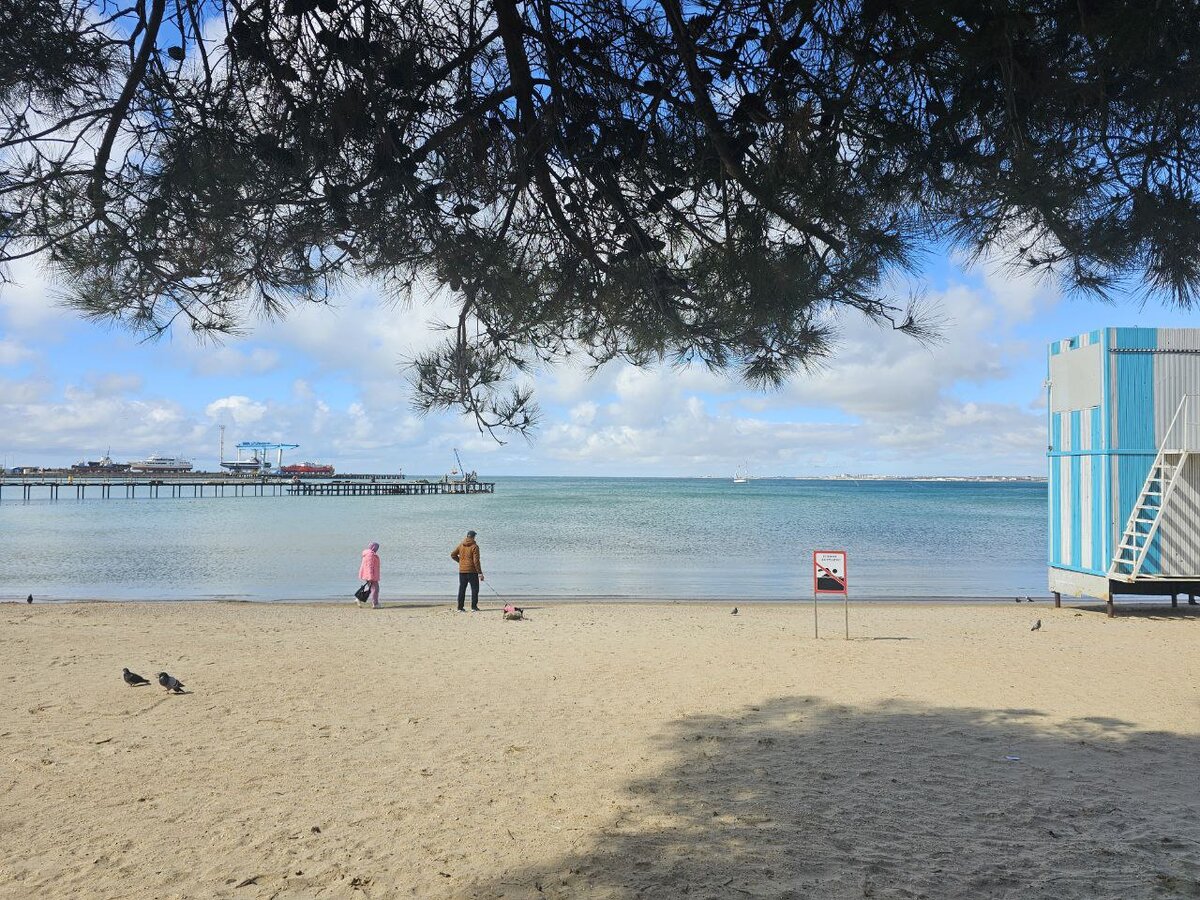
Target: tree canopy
column 710, row 180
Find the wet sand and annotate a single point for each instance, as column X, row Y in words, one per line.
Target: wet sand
column 612, row 751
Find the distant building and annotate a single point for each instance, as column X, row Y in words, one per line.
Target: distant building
column 1124, row 463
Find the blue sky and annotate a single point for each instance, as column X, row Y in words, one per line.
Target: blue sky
column 330, row 380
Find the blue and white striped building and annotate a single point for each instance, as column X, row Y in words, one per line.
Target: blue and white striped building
column 1112, row 397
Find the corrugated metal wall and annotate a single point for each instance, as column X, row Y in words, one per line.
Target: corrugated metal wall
column 1177, row 374
column 1078, row 531
column 1179, row 545
column 1101, row 449
column 1132, row 402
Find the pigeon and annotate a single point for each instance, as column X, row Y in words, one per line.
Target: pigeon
column 133, row 679
column 1037, row 626
column 170, row 682
column 734, row 613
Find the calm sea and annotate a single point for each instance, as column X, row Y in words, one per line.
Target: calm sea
column 540, row 537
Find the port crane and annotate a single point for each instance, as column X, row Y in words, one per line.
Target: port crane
column 258, row 456
column 461, row 471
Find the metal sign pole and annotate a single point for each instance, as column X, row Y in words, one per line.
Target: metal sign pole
column 830, row 577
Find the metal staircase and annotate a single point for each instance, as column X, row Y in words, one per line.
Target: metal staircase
column 1161, row 481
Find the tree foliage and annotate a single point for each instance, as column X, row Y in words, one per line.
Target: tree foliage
column 714, row 180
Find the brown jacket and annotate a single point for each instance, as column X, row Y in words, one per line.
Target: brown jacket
column 466, row 555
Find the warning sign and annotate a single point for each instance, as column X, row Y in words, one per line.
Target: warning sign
column 829, row 572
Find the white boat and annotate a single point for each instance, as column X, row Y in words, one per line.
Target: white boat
column 240, row 466
column 740, row 477
column 161, row 464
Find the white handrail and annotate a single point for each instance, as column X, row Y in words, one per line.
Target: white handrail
column 1184, row 414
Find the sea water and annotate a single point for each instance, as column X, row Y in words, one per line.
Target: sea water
column 565, row 538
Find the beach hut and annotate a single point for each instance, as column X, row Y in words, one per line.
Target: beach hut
column 1124, row 463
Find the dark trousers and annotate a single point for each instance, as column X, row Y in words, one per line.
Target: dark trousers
column 471, row 578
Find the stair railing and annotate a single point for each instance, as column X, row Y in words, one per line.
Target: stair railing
column 1181, row 438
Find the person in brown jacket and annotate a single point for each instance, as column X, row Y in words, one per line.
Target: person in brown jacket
column 470, row 570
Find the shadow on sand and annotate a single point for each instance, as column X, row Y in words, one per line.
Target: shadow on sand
column 799, row 799
column 1151, row 612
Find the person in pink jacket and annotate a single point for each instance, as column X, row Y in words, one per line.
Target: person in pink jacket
column 369, row 571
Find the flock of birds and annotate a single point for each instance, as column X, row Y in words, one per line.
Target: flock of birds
column 170, row 682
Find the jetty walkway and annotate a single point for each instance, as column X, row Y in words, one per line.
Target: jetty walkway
column 187, row 485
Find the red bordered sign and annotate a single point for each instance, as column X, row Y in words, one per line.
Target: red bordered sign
column 829, row 572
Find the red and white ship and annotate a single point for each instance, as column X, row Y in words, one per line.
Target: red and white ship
column 306, row 468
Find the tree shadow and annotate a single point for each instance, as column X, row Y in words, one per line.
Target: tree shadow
column 798, row 798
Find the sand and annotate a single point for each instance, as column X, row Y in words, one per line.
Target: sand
column 598, row 751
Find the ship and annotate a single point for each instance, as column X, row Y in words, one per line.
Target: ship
column 102, row 466
column 240, row 466
column 161, row 464
column 307, row 468
column 741, row 476
column 257, row 462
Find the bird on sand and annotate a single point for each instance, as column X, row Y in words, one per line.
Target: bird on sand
column 1016, row 599
column 133, row 679
column 170, row 682
column 1037, row 626
column 1028, row 599
column 734, row 613
column 29, row 599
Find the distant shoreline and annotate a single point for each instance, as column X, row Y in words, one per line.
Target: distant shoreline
column 198, row 474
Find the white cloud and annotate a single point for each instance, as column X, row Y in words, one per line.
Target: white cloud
column 112, row 384
column 14, row 392
column 81, row 422
column 13, row 353
column 28, row 300
column 1019, row 293
column 228, row 360
column 882, row 403
column 584, row 413
column 238, row 409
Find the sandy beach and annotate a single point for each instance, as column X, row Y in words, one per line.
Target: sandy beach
column 598, row 751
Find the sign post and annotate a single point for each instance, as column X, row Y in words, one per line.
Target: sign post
column 830, row 577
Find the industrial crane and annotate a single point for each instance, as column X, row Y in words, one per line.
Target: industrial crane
column 461, row 471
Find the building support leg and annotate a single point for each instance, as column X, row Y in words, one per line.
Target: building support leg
column 1174, row 601
column 1191, row 599
column 1110, row 608
column 1058, row 600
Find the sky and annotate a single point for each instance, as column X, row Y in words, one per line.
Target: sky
column 331, row 379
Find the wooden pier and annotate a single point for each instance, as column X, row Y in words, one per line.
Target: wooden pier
column 197, row 485
column 389, row 488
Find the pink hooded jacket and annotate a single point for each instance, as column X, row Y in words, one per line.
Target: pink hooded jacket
column 369, row 570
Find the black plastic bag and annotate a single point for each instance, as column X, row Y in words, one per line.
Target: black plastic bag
column 363, row 592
